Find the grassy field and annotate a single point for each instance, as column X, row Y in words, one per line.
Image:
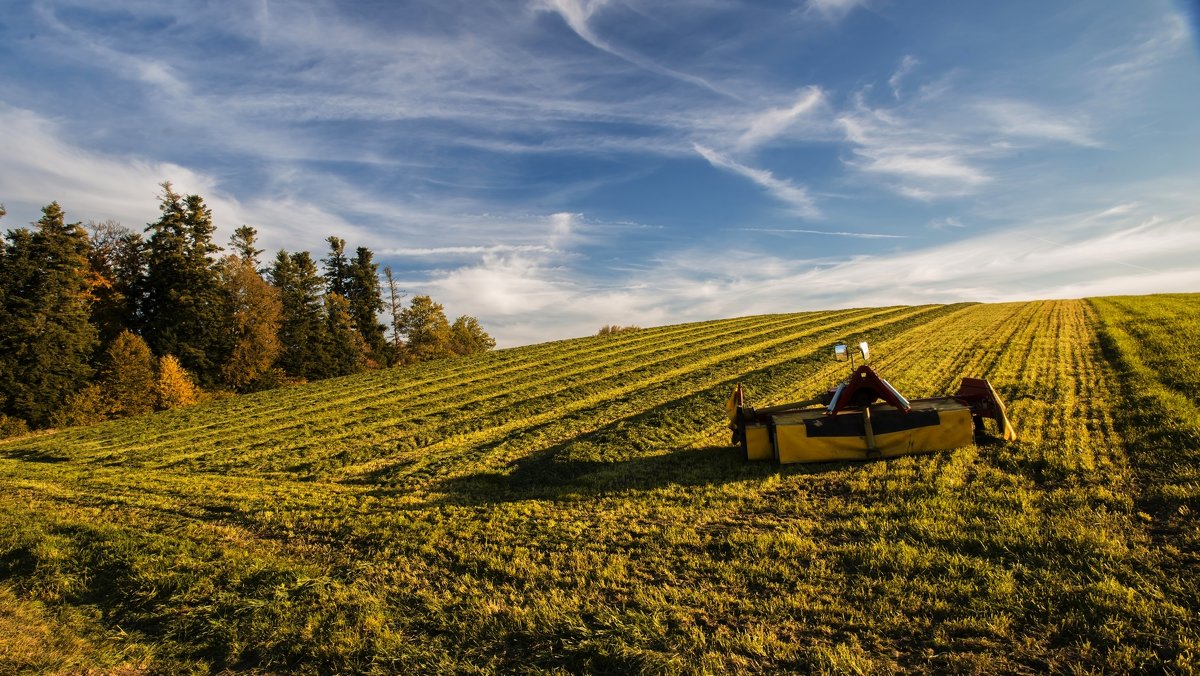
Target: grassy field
column 574, row 506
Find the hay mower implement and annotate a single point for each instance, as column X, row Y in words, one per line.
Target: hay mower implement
column 864, row 418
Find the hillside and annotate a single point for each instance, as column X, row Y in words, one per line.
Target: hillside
column 575, row 505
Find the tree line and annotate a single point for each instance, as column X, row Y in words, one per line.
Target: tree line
column 103, row 322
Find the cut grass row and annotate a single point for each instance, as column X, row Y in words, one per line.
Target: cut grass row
column 622, row 535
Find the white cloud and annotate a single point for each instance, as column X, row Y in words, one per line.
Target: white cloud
column 1024, row 119
column 562, row 226
column 577, row 13
column 458, row 251
column 946, row 223
column 834, row 10
column 907, row 64
column 1133, row 61
column 769, row 124
column 795, row 196
column 41, row 167
column 832, row 233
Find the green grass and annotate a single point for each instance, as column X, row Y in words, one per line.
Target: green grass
column 574, row 506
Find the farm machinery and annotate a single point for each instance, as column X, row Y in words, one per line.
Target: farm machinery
column 864, row 418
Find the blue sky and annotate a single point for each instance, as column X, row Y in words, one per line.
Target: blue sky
column 555, row 165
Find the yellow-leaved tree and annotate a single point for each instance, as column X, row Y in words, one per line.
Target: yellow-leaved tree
column 175, row 387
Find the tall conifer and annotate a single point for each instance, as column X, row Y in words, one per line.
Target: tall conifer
column 337, row 267
column 46, row 338
column 366, row 302
column 181, row 298
column 302, row 326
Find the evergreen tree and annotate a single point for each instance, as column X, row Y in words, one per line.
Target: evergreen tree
column 345, row 350
column 46, row 338
column 395, row 306
column 366, row 303
column 181, row 297
column 127, row 376
column 468, row 337
column 302, row 325
column 242, row 243
column 426, row 329
column 337, row 268
column 252, row 323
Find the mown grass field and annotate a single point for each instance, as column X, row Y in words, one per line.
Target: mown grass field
column 574, row 506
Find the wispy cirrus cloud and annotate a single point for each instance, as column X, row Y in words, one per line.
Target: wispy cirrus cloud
column 769, row 124
column 920, row 163
column 1022, row 119
column 833, row 10
column 795, row 196
column 577, row 13
column 832, row 233
column 907, row 65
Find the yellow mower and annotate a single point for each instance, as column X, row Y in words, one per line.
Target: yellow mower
column 865, row 418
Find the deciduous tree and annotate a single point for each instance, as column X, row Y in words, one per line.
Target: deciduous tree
column 426, row 330
column 252, row 323
column 174, row 386
column 468, row 337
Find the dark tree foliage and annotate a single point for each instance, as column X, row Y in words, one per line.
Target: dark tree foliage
column 182, row 307
column 242, row 243
column 337, row 267
column 117, row 265
column 127, row 375
column 344, row 350
column 302, row 325
column 366, row 302
column 46, row 337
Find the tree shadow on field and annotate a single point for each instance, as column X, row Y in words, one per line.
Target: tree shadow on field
column 643, row 450
column 555, row 473
column 32, row 455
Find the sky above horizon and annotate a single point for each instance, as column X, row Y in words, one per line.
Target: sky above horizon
column 553, row 166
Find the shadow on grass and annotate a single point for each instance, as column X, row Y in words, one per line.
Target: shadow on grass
column 32, row 455
column 556, row 474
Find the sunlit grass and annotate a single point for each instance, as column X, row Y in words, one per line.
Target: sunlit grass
column 574, row 506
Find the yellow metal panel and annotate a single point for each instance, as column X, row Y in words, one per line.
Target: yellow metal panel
column 758, row 443
column 795, row 446
column 955, row 429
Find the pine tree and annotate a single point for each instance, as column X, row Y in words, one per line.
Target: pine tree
column 46, row 338
column 426, row 329
column 181, row 299
column 127, row 376
column 242, row 243
column 252, row 325
column 337, row 268
column 302, row 325
column 366, row 303
column 468, row 337
column 344, row 348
